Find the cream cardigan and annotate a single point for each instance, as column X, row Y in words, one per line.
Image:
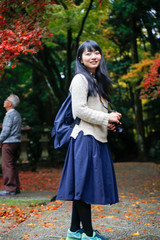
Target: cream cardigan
column 94, row 117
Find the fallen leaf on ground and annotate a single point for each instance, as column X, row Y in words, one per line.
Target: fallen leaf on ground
column 135, row 234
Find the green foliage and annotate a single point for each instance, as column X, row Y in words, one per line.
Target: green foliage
column 42, row 81
column 19, row 81
column 16, row 81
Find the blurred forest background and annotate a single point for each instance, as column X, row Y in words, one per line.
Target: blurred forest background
column 38, row 43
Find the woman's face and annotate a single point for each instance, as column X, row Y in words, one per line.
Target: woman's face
column 91, row 60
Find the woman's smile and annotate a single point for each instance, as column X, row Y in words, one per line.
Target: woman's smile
column 91, row 60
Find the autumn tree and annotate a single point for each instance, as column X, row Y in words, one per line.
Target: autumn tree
column 51, row 56
column 28, row 32
column 131, row 31
column 44, row 35
column 22, row 29
column 151, row 80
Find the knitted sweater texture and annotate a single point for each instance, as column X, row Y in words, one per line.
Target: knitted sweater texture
column 94, row 117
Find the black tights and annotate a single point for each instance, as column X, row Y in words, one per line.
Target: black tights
column 81, row 212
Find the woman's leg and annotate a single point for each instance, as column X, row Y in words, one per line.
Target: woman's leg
column 75, row 221
column 84, row 212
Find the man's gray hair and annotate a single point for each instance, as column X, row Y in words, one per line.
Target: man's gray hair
column 14, row 100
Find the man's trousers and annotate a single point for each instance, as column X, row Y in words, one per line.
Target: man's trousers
column 10, row 155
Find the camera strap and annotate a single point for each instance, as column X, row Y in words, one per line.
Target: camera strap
column 100, row 98
column 109, row 109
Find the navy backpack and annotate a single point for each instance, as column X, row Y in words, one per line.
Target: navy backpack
column 63, row 124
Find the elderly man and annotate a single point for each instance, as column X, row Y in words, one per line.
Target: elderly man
column 10, row 143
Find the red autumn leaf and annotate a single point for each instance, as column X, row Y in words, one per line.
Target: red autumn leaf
column 151, row 81
column 21, row 30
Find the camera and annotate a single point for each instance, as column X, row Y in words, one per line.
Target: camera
column 119, row 129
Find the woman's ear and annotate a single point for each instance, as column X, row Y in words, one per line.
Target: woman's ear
column 81, row 61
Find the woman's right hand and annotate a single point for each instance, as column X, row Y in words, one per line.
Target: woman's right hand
column 115, row 117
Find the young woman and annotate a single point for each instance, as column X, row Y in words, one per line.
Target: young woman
column 88, row 176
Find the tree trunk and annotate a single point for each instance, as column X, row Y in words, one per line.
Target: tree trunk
column 137, row 101
column 69, row 59
column 139, row 125
column 151, row 37
column 46, row 107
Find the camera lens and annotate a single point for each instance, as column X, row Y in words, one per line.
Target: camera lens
column 119, row 129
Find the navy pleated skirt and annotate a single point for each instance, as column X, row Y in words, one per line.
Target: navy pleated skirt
column 88, row 172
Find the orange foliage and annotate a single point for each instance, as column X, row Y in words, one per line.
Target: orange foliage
column 151, row 81
column 147, row 70
column 138, row 70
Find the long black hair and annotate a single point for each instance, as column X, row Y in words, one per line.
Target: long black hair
column 103, row 80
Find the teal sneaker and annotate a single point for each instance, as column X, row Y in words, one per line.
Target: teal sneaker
column 74, row 235
column 96, row 236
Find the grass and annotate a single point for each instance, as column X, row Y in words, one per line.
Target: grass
column 22, row 202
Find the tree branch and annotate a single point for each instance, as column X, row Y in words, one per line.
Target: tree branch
column 34, row 61
column 82, row 24
column 64, row 5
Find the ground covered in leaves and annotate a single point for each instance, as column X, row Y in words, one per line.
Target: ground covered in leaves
column 42, row 179
column 18, row 211
column 138, row 185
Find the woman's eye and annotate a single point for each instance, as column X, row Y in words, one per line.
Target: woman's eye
column 90, row 53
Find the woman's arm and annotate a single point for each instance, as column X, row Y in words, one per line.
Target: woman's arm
column 80, row 109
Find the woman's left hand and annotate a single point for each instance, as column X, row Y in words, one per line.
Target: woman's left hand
column 112, row 127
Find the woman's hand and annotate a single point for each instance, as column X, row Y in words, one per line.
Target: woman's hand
column 112, row 127
column 115, row 117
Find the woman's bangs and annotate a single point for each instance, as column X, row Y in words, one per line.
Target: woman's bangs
column 92, row 47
